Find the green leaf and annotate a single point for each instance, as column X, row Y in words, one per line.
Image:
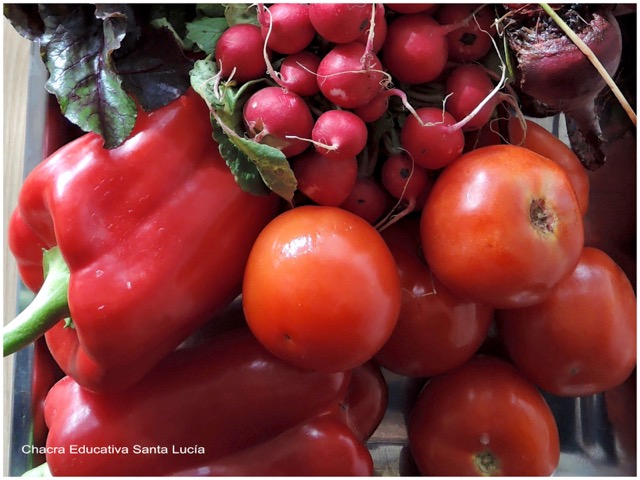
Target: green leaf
column 244, row 171
column 77, row 53
column 237, row 13
column 205, row 32
column 253, row 164
column 25, row 19
column 211, row 9
column 156, row 71
column 271, row 164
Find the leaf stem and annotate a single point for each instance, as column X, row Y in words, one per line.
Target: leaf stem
column 584, row 48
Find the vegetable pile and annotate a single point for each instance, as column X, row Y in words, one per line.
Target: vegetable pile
column 260, row 214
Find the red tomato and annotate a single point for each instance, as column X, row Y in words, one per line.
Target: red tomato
column 540, row 140
column 483, row 418
column 436, row 329
column 321, row 289
column 501, row 226
column 582, row 339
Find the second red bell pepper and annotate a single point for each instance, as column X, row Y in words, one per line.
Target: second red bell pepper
column 322, row 446
column 200, row 405
column 155, row 235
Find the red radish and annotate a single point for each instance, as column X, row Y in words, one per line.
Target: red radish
column 280, row 119
column 340, row 22
column 403, row 179
column 286, row 26
column 375, row 109
column 379, row 34
column 434, row 142
column 412, row 7
column 339, row 133
column 298, row 73
column 551, row 70
column 485, row 136
column 326, row 181
column 239, row 53
column 345, row 81
column 416, row 49
column 468, row 86
column 472, row 40
column 367, row 200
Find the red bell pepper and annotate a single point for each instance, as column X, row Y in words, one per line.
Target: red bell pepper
column 199, row 405
column 322, row 446
column 152, row 238
column 45, row 373
column 366, row 401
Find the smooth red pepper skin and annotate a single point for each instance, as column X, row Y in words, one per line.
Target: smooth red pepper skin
column 365, row 403
column 224, row 396
column 45, row 374
column 156, row 234
column 323, row 446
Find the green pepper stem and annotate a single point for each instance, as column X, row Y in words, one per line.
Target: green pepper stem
column 49, row 306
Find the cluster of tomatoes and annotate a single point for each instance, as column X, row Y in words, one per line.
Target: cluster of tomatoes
column 422, row 233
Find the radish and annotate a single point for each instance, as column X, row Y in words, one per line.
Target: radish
column 340, row 22
column 367, row 200
column 412, row 7
column 239, row 53
column 339, row 133
column 468, row 86
column 416, row 49
column 278, row 118
column 326, row 181
column 405, row 181
column 349, row 77
column 375, row 109
column 433, row 142
column 558, row 76
column 286, row 26
column 472, row 40
column 376, row 37
column 298, row 73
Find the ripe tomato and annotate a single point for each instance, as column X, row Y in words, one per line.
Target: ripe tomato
column 321, row 289
column 582, row 339
column 436, row 329
column 501, row 226
column 540, row 140
column 483, row 418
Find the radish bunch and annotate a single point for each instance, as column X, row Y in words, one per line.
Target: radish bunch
column 368, row 102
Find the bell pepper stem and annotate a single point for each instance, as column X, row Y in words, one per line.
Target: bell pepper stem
column 49, row 306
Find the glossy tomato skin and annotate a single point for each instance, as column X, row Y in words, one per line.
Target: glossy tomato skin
column 436, row 330
column 321, row 289
column 538, row 139
column 582, row 339
column 501, row 226
column 483, row 418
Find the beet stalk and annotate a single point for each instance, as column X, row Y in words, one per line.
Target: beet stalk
column 557, row 76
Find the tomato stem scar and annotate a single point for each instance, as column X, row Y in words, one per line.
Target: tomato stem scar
column 486, row 463
column 542, row 217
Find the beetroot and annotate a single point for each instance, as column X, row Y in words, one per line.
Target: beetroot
column 557, row 76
